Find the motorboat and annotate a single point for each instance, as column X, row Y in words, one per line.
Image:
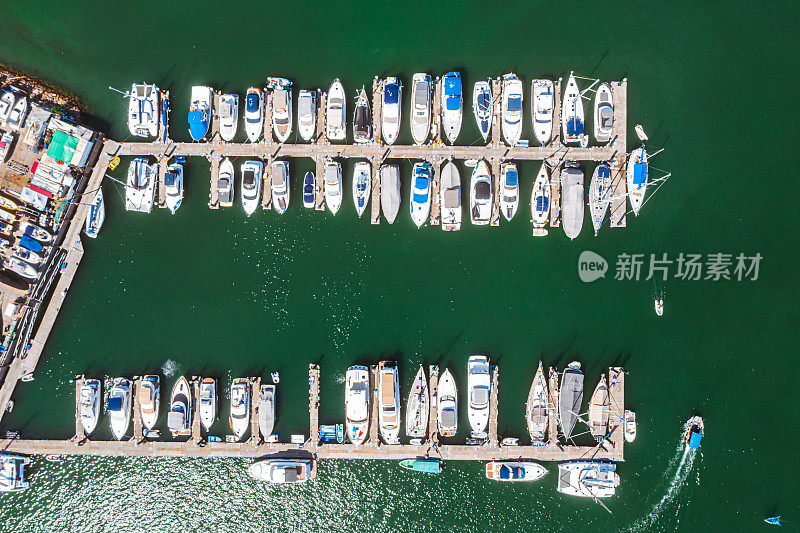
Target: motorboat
column 362, row 119
column 12, row 472
column 32, row 230
column 542, row 106
column 636, row 178
column 6, row 141
column 200, row 111
column 540, row 202
column 429, row 466
column 482, row 107
column 480, row 194
column 20, row 267
column 390, row 191
column 119, row 407
column 570, row 398
column 225, row 183
column 658, row 304
column 333, row 185
column 630, row 426
column 173, row 186
column 509, row 441
column 266, row 410
column 362, row 185
column 391, row 108
column 588, row 479
column 536, row 411
column 143, row 110
column 208, row 402
column 90, row 405
column 228, row 116
column 141, row 186
column 179, row 418
column 447, row 405
column 389, row 402
column 251, row 185
column 280, row 186
column 572, row 199
column 6, row 105
column 254, row 113
column 694, row 433
column 512, row 109
column 17, row 116
column 276, row 377
column 599, row 410
column 603, row 113
column 421, row 193
column 418, row 406
column 421, row 107
column 26, row 255
column 335, row 112
column 331, row 433
column 96, row 215
column 509, row 190
column 149, row 394
column 450, row 197
column 283, row 470
column 309, row 190
column 572, row 119
column 479, row 385
column 282, row 112
column 239, row 419
column 356, row 403
column 514, row 471
column 307, row 114
column 452, row 105
column 599, row 195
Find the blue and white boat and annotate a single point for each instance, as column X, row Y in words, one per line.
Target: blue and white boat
column 599, row 195
column 513, row 471
column 309, row 187
column 421, row 193
column 200, row 111
column 29, row 243
column 452, row 105
column 480, row 194
column 572, row 116
column 695, row 432
column 361, row 186
column 636, row 178
column 96, row 216
column 12, row 472
column 391, row 109
column 540, row 202
column 173, row 186
column 254, row 114
column 482, row 107
column 509, row 190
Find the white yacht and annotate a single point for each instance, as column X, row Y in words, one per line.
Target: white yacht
column 542, row 106
column 418, row 406
column 540, row 202
column 96, row 215
column 603, row 113
column 335, row 112
column 450, row 197
column 452, row 105
column 572, row 120
column 513, row 471
column 572, row 199
column 119, row 407
column 333, row 185
column 588, row 479
column 480, row 194
column 630, row 426
column 12, row 472
column 280, row 186
column 283, row 470
column 389, row 398
column 251, row 185
column 173, row 186
column 200, row 112
column 479, row 385
column 421, row 107
column 509, row 190
column 421, row 193
column 390, row 191
column 254, row 114
column 356, row 403
column 482, row 107
column 228, row 116
column 208, row 402
column 512, row 109
column 447, row 405
column 636, row 178
column 362, row 185
column 143, row 110
column 282, row 112
column 225, row 183
column 266, row 410
column 141, row 186
column 391, row 109
column 362, row 119
column 16, row 119
column 26, row 255
column 179, row 418
column 239, row 419
column 307, row 114
column 536, row 408
column 600, row 195
column 149, row 396
column 90, row 405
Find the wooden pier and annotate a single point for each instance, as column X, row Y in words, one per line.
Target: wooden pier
column 374, row 422
column 137, row 410
column 433, row 420
column 552, row 407
column 80, row 434
column 313, row 404
column 493, row 406
column 436, row 171
column 619, row 142
column 255, row 435
column 375, row 192
column 196, row 431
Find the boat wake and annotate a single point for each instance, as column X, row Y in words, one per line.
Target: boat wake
column 169, row 368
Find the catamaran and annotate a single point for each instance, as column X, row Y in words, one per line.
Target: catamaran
column 251, row 185
column 225, row 183
column 509, row 190
column 572, row 201
column 391, row 108
column 452, row 105
column 536, row 408
column 208, row 402
column 542, row 105
column 309, row 190
column 421, row 193
column 356, row 403
column 390, row 191
column 480, row 194
column 149, row 396
column 603, row 113
column 570, row 398
column 143, row 113
column 599, row 195
column 141, row 186
column 200, row 111
column 421, row 107
column 572, row 114
column 450, row 198
column 283, row 470
column 362, row 185
column 96, row 215
column 447, row 405
column 588, row 479
column 599, row 410
column 333, row 186
column 335, row 112
column 239, row 419
column 90, row 405
column 254, row 114
column 280, row 186
column 482, row 107
column 389, row 398
column 479, row 386
column 282, row 110
column 119, row 407
column 179, row 418
column 362, row 119
column 515, row 471
column 307, row 114
column 266, row 410
column 512, row 109
column 636, row 178
column 540, row 202
column 228, row 116
column 417, row 407
column 173, row 186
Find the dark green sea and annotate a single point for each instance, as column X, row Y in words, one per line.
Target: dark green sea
column 214, row 293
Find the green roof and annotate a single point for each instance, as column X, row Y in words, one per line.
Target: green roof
column 62, row 146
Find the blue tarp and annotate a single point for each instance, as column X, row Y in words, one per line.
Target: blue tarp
column 511, row 178
column 639, row 173
column 694, row 440
column 198, row 124
column 115, row 403
column 390, row 93
column 421, row 182
column 603, row 172
column 452, row 84
column 251, row 102
column 574, row 127
column 31, row 244
column 453, row 103
column 514, row 104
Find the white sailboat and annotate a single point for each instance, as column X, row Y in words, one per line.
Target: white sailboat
column 603, row 113
column 636, row 178
column 90, row 405
column 391, row 109
column 225, row 183
column 482, row 107
column 452, row 105
column 450, row 197
column 149, row 397
column 536, row 408
column 119, row 407
column 208, row 402
column 509, row 190
column 96, row 215
column 390, row 191
column 333, row 186
column 512, row 109
column 356, row 403
column 480, row 194
column 540, row 202
column 282, row 111
column 307, row 114
column 280, row 186
column 362, row 185
column 572, row 117
column 447, row 405
column 141, row 186
column 389, row 398
column 362, row 119
column 239, row 419
column 572, row 199
column 599, row 195
column 479, row 386
column 542, row 106
column 418, row 406
column 335, row 112
column 251, row 185
column 421, row 193
column 421, row 107
column 254, row 114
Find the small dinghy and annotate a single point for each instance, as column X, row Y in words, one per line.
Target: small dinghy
column 119, row 407
column 421, row 107
column 570, row 398
column 482, row 107
column 514, row 471
column 335, row 111
column 149, row 395
column 695, row 432
column 266, row 410
column 510, row 441
column 603, row 113
column 421, row 193
column 447, row 405
column 225, row 183
column 599, row 195
column 572, row 114
column 179, row 419
column 390, row 191
column 429, row 466
column 480, row 198
column 512, row 109
column 208, row 402
column 391, row 109
column 542, row 104
column 282, row 109
column 309, row 188
column 540, row 202
column 362, row 119
column 276, row 378
column 389, row 400
column 280, row 186
column 636, row 177
column 452, row 105
column 572, row 199
column 362, row 185
column 90, row 405
column 630, row 426
column 96, row 216
column 356, row 403
column 254, row 114
column 658, row 303
column 8, row 204
column 536, row 408
column 228, row 116
column 239, row 419
column 418, row 406
column 509, row 190
column 333, row 186
column 599, row 410
column 251, row 185
column 450, row 198
column 307, row 114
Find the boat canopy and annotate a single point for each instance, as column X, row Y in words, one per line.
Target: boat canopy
column 169, row 178
column 452, row 84
column 482, row 190
column 31, row 244
column 249, row 178
column 480, row 396
column 115, row 403
column 542, row 203
column 176, row 420
column 515, row 103
column 252, row 102
column 574, row 127
column 421, row 182
column 448, row 417
column 511, row 178
column 507, row 472
column 453, row 103
column 694, row 439
column 390, row 93
column 198, row 124
column 421, row 92
column 639, row 173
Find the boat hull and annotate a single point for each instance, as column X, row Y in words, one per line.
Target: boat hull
column 208, row 402
column 390, row 192
column 479, row 390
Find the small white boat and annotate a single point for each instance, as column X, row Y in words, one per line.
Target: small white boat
column 26, row 255
column 572, row 199
column 599, row 195
column 307, row 114
column 421, row 107
column 515, row 471
column 333, row 186
column 254, row 114
column 283, row 470
column 173, row 186
column 603, row 113
column 141, row 186
column 362, row 185
column 509, row 190
column 276, row 377
column 509, row 441
column 639, row 129
column 512, row 109
column 17, row 116
column 536, row 408
column 588, row 479
column 32, row 230
column 12, row 472
column 8, row 203
column 482, row 107
column 179, row 418
column 149, row 395
column 542, row 105
column 119, row 407
column 479, row 385
column 252, row 172
column 480, row 194
column 208, row 402
column 6, row 105
column 418, row 406
column 96, row 215
column 21, row 267
column 636, row 178
column 572, row 118
column 362, row 119
column 309, row 190
column 452, row 105
column 228, row 116
column 391, row 108
column 447, row 405
column 390, row 191
column 540, row 202
column 90, row 405
column 335, row 112
column 200, row 111
column 280, row 186
column 389, row 398
column 450, row 197
column 630, row 426
column 282, row 112
column 266, row 410
column 421, row 193
column 356, row 403
column 239, row 419
column 225, row 183
column 599, row 410
column 144, row 115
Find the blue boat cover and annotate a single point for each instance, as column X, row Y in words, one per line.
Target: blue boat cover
column 510, row 473
column 169, row 178
column 515, row 104
column 694, row 440
column 511, row 178
column 420, row 198
column 639, row 173
column 574, row 127
column 603, row 172
column 542, row 203
column 115, row 403
column 390, row 93
column 452, row 84
column 453, row 103
column 251, row 102
column 421, row 182
column 198, row 124
column 31, row 244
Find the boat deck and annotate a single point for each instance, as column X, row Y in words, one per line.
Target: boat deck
column 255, row 435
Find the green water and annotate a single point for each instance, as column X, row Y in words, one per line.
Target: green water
column 212, row 292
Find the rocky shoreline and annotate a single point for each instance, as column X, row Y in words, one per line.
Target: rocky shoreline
column 41, row 91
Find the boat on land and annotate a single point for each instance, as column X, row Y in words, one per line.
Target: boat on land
column 447, row 405
column 362, row 119
column 228, row 116
column 8, row 204
column 636, row 177
column 282, row 111
column 391, row 109
column 630, row 426
column 143, row 110
column 570, row 398
column 283, row 471
column 149, row 396
column 536, row 408
column 208, row 402
column 96, row 216
column 17, row 116
column 5, row 145
column 429, row 466
column 480, row 194
column 599, row 410
column 418, row 406
column 482, row 107
column 542, row 105
column 512, row 109
column 421, row 193
column 20, row 267
column 251, row 185
column 141, row 185
column 603, row 113
column 572, row 201
column 509, row 190
column 452, row 105
column 309, row 188
column 225, row 183
column 239, row 419
column 588, row 479
column 26, row 255
column 307, row 114
column 479, row 385
column 6, row 105
column 695, row 432
column 362, row 185
column 280, row 186
column 90, row 405
column 572, row 118
column 333, row 186
column 173, row 186
column 35, row 232
column 12, row 472
column 179, row 419
column 540, row 202
column 390, row 191
column 450, row 198
column 356, row 403
column 599, row 195
column 421, row 107
column 335, row 112
column 266, row 410
column 515, row 471
column 389, row 398
column 119, row 407
column 200, row 111
column 254, row 114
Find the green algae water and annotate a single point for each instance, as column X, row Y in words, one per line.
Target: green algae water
column 214, row 293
